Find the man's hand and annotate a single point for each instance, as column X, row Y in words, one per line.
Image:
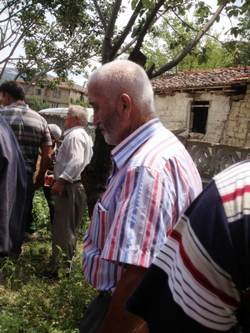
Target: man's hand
column 118, row 319
column 39, row 182
column 58, row 187
column 49, row 180
column 44, row 164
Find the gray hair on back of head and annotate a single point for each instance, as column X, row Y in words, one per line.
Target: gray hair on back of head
column 124, row 76
column 78, row 110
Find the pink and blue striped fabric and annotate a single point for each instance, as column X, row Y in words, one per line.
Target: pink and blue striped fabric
column 153, row 181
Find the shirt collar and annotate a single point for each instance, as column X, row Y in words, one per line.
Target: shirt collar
column 122, row 152
column 19, row 105
column 72, row 129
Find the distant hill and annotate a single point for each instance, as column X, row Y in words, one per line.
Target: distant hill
column 11, row 72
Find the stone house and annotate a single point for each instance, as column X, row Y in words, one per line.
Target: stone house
column 57, row 99
column 212, row 105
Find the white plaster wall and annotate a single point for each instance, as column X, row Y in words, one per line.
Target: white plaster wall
column 217, row 116
column 173, row 111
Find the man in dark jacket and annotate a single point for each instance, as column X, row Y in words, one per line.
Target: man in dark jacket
column 12, row 188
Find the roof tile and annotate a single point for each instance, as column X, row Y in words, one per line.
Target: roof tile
column 201, row 78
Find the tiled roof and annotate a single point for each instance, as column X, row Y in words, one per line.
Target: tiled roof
column 201, row 78
column 65, row 86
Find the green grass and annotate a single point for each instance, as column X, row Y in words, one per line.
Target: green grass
column 34, row 304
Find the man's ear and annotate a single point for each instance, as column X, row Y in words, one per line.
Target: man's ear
column 126, row 103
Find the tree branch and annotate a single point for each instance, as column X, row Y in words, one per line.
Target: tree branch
column 147, row 25
column 100, row 15
column 189, row 46
column 207, row 34
column 126, row 47
column 126, row 31
column 6, row 60
column 109, row 32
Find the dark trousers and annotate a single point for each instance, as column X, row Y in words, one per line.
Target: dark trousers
column 50, row 200
column 16, row 248
column 95, row 314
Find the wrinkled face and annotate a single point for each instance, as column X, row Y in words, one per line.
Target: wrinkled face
column 105, row 116
column 69, row 120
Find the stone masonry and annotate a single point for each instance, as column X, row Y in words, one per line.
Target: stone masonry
column 238, row 124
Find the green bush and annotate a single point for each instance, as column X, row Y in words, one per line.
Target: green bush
column 78, row 102
column 32, row 303
column 37, row 104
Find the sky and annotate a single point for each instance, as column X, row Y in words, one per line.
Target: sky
column 224, row 22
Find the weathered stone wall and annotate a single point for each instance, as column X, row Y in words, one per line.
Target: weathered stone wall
column 217, row 115
column 238, row 124
column 174, row 112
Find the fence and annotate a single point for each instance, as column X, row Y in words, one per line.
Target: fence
column 212, row 158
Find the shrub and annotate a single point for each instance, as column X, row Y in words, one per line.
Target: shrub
column 32, row 303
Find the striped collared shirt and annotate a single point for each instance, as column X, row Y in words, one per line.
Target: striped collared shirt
column 153, row 181
column 30, row 129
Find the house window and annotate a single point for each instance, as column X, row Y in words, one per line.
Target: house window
column 54, row 105
column 57, row 94
column 38, row 91
column 198, row 119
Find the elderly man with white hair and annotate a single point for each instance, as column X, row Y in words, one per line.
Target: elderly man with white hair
column 73, row 155
column 152, row 183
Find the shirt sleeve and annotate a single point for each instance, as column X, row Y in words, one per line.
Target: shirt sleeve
column 46, row 139
column 194, row 280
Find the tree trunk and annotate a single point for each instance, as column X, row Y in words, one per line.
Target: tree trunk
column 96, row 173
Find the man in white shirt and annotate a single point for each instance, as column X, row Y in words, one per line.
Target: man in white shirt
column 73, row 155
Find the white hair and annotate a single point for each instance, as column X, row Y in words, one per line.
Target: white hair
column 78, row 110
column 124, row 76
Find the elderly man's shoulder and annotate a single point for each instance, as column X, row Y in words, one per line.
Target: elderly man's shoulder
column 76, row 132
column 163, row 145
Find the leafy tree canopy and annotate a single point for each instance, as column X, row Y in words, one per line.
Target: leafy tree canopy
column 166, row 41
column 64, row 35
column 37, row 104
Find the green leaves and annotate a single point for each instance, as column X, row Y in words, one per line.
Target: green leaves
column 202, row 58
column 133, row 4
column 148, row 3
column 63, row 35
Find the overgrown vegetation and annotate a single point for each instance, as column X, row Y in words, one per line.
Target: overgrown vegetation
column 37, row 104
column 78, row 102
column 32, row 303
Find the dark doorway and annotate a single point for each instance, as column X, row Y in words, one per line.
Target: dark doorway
column 199, row 112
